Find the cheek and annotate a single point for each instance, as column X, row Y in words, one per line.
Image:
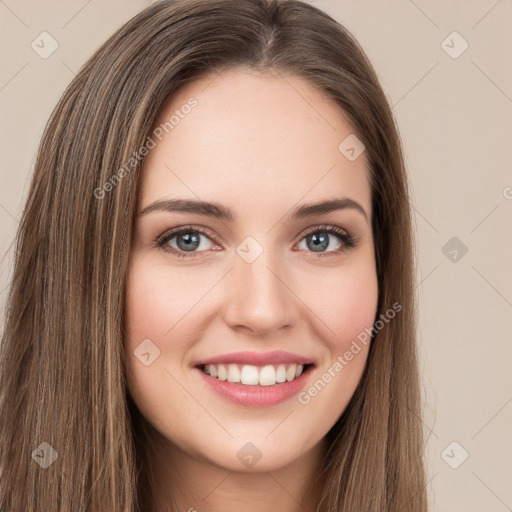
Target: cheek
column 352, row 309
column 167, row 308
column 343, row 307
column 160, row 302
column 156, row 307
column 344, row 302
column 152, row 309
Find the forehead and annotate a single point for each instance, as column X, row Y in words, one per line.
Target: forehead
column 252, row 139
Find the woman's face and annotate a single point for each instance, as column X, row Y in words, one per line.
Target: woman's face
column 256, row 282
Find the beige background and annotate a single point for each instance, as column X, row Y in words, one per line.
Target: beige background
column 455, row 117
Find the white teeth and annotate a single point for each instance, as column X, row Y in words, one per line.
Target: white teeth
column 290, row 373
column 267, row 376
column 233, row 373
column 251, row 375
column 281, row 373
column 222, row 373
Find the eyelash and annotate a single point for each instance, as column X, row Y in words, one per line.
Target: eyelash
column 347, row 240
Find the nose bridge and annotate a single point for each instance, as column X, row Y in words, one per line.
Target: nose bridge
column 258, row 298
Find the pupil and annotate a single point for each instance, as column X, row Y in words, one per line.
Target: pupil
column 191, row 242
column 319, row 242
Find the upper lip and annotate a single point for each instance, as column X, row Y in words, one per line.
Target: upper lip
column 256, row 358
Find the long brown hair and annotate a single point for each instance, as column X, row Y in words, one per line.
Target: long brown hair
column 62, row 378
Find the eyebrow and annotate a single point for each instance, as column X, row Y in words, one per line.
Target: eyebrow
column 221, row 212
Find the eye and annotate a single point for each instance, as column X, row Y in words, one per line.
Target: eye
column 318, row 239
column 185, row 241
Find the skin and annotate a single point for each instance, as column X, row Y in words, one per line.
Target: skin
column 261, row 144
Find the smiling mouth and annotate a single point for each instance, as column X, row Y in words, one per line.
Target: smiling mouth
column 250, row 375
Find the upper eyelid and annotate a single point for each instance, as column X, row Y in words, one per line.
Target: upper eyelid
column 171, row 233
column 318, row 227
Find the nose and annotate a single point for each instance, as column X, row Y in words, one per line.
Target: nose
column 259, row 300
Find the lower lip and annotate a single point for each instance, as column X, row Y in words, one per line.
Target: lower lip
column 256, row 396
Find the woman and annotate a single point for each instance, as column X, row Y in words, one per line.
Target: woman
column 212, row 301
